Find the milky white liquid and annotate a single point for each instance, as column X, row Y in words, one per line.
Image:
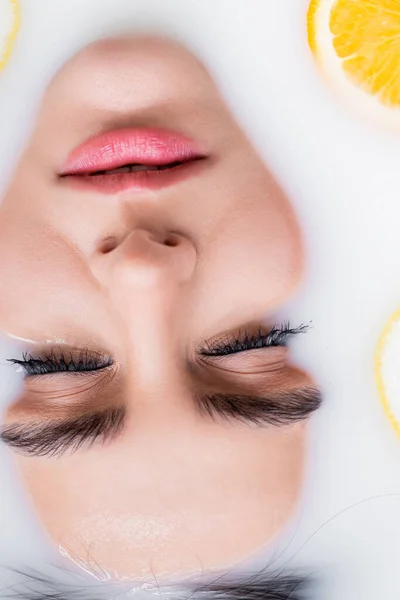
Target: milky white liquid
column 341, row 173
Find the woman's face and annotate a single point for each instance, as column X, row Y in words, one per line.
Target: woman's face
column 162, row 427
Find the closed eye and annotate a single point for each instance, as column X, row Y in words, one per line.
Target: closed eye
column 244, row 340
column 84, row 361
column 62, row 362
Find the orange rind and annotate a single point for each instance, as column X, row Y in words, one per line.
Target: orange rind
column 387, row 370
column 9, row 25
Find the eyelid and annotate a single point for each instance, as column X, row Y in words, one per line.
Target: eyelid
column 263, row 360
column 66, row 387
column 69, row 376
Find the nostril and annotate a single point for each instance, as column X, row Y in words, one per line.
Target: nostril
column 165, row 239
column 108, row 245
column 171, row 241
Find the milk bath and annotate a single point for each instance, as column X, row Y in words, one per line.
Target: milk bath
column 341, row 174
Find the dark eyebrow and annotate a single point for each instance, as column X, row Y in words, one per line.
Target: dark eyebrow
column 54, row 437
column 279, row 408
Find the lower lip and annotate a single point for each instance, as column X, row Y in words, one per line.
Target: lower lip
column 136, row 181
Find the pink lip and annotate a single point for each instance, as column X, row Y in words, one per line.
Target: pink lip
column 145, row 146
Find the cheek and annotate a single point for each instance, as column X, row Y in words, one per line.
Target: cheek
column 266, row 250
column 254, row 264
column 271, row 243
column 41, row 277
column 200, row 502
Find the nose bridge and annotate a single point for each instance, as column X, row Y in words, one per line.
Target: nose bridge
column 146, row 276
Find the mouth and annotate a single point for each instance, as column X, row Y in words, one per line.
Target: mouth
column 132, row 159
column 134, row 177
column 137, row 168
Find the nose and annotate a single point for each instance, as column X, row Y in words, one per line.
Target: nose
column 147, row 268
column 147, row 275
column 148, row 259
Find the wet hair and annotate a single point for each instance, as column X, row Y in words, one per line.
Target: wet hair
column 34, row 585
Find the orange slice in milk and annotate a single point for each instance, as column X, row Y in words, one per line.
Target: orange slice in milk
column 387, row 370
column 357, row 45
column 9, row 24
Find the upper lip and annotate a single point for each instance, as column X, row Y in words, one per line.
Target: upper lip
column 131, row 146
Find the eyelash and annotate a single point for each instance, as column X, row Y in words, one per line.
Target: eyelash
column 62, row 364
column 242, row 342
column 245, row 341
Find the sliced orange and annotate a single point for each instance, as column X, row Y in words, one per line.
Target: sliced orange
column 387, row 370
column 357, row 45
column 9, row 24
